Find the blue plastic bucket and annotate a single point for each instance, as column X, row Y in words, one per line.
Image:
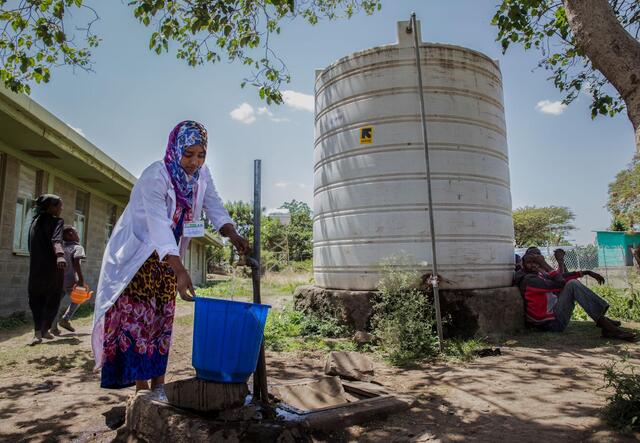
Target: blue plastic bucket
column 226, row 339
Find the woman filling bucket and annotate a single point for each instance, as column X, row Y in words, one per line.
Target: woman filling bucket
column 142, row 269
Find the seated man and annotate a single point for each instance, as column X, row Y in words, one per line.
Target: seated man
column 550, row 298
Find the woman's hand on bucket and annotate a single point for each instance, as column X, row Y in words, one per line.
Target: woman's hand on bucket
column 185, row 286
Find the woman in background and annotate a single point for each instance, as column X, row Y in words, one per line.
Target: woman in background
column 46, row 265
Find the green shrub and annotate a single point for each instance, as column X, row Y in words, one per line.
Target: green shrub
column 316, row 326
column 403, row 318
column 624, row 304
column 623, row 406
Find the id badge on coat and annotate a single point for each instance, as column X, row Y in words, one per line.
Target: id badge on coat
column 193, row 229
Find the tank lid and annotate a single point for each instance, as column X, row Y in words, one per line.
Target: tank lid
column 405, row 33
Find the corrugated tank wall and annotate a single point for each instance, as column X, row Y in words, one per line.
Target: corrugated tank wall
column 370, row 199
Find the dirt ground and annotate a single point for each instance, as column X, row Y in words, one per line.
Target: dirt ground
column 544, row 387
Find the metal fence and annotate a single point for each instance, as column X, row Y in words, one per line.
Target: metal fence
column 615, row 263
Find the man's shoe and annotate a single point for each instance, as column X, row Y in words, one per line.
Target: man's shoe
column 55, row 331
column 620, row 335
column 47, row 335
column 615, row 322
column 66, row 324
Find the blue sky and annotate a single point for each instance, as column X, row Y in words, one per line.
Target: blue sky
column 134, row 98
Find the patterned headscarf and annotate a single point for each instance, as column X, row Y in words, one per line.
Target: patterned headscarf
column 184, row 135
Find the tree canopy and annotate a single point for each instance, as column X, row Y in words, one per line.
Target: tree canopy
column 624, row 198
column 37, row 35
column 543, row 25
column 538, row 226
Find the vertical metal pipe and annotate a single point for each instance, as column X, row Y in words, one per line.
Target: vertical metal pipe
column 434, row 259
column 260, row 389
column 257, row 211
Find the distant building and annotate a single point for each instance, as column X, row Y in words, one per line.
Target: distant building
column 615, row 248
column 283, row 217
column 41, row 154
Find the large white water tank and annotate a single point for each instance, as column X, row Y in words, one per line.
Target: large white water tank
column 370, row 194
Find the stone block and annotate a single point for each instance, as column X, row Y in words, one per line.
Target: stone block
column 156, row 422
column 306, row 395
column 349, row 365
column 351, row 308
column 205, row 396
column 482, row 312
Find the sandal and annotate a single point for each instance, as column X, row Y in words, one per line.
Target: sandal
column 619, row 335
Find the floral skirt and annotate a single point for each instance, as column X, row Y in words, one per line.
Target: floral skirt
column 138, row 327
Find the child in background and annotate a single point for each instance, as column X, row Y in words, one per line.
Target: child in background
column 73, row 254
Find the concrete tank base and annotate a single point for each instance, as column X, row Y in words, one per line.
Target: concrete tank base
column 483, row 312
column 472, row 312
column 351, row 308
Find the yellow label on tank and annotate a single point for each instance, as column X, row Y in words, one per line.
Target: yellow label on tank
column 366, row 135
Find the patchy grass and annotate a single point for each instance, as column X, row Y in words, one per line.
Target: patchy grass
column 457, row 350
column 83, row 316
column 13, row 322
column 273, row 284
column 622, row 410
column 578, row 335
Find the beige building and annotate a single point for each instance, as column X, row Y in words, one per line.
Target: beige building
column 41, row 154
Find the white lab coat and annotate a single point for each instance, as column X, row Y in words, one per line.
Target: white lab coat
column 144, row 227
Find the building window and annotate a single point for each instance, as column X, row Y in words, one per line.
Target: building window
column 26, row 195
column 22, row 225
column 80, row 216
column 112, row 216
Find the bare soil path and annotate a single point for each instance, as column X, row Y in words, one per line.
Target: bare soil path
column 544, row 387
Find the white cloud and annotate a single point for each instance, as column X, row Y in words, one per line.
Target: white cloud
column 298, row 100
column 244, row 114
column 549, row 107
column 78, row 130
column 264, row 111
column 281, row 184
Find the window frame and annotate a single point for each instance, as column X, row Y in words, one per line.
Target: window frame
column 22, row 231
column 82, row 216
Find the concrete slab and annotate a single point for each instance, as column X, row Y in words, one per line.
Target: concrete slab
column 349, row 365
column 306, row 395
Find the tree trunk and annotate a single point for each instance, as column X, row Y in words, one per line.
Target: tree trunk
column 611, row 50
